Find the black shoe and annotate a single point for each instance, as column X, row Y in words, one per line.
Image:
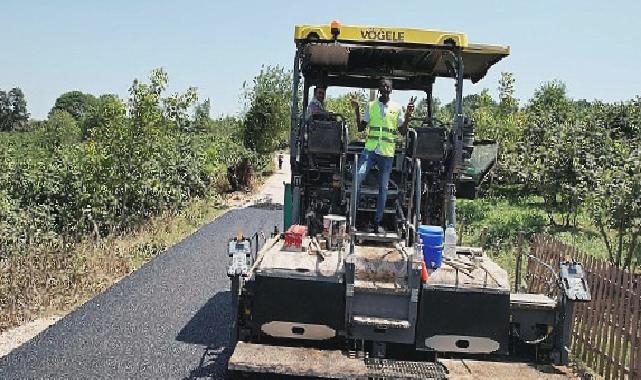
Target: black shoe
column 370, row 228
column 380, row 229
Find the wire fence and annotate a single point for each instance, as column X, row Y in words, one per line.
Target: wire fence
column 606, row 331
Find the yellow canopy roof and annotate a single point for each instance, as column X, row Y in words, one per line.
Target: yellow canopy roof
column 402, row 52
column 356, row 33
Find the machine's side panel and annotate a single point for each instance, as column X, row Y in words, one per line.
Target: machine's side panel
column 298, row 300
column 466, row 321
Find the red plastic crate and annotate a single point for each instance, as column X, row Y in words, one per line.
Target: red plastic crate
column 294, row 237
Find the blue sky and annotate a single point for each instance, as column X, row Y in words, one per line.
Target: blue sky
column 50, row 47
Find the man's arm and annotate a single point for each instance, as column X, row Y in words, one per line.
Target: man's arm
column 408, row 116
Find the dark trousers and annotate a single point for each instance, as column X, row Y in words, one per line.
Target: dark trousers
column 366, row 161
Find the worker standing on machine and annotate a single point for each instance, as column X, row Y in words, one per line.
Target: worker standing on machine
column 383, row 117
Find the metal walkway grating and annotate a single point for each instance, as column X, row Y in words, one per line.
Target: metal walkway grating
column 392, row 369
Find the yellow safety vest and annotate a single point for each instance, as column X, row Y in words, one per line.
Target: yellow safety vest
column 382, row 130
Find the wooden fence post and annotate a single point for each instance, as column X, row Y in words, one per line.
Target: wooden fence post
column 519, row 261
column 635, row 352
column 483, row 237
column 461, row 231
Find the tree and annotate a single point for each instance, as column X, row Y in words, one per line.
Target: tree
column 76, row 103
column 615, row 200
column 176, row 106
column 549, row 150
column 202, row 111
column 202, row 116
column 502, row 122
column 267, row 103
column 550, row 102
column 471, row 103
column 13, row 110
column 610, row 177
column 622, row 120
column 5, row 112
column 61, row 129
column 109, row 110
column 508, row 104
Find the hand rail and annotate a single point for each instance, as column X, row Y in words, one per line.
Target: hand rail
column 354, row 194
column 354, row 201
column 414, row 136
column 415, row 144
column 417, row 184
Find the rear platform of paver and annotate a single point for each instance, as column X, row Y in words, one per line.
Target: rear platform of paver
column 309, row 362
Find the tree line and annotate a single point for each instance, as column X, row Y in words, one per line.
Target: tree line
column 582, row 157
column 101, row 165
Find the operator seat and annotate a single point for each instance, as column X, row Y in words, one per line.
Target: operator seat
column 430, row 143
column 325, row 133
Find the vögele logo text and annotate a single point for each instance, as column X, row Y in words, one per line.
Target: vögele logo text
column 384, row 35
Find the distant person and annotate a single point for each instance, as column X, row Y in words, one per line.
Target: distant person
column 280, row 161
column 317, row 104
column 384, row 118
column 231, row 177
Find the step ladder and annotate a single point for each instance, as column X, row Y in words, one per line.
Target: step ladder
column 382, row 293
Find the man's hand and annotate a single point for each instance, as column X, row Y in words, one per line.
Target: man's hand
column 410, row 108
column 408, row 115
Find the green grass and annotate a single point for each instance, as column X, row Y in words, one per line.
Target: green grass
column 63, row 277
column 505, row 211
column 585, row 241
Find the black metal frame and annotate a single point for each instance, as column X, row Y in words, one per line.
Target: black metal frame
column 410, row 81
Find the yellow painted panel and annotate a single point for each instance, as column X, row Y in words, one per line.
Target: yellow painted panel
column 392, row 35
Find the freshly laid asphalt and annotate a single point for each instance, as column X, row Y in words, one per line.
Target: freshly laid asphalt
column 169, row 320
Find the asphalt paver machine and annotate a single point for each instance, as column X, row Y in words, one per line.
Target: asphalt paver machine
column 330, row 298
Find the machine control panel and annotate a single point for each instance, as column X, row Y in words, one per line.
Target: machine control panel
column 240, row 258
column 574, row 283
